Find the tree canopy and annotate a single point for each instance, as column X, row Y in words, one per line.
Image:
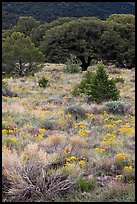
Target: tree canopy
column 110, row 40
column 50, row 11
column 90, row 38
column 19, row 54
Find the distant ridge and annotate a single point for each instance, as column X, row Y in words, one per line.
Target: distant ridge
column 49, row 11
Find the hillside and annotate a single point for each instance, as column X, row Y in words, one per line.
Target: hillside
column 49, row 11
column 55, row 143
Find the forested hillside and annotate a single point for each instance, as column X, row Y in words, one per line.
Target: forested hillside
column 49, row 11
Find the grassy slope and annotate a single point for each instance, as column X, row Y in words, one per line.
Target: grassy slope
column 40, row 131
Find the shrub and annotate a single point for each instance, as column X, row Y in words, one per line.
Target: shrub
column 6, row 90
column 117, row 107
column 84, row 84
column 118, row 79
column 72, row 65
column 97, row 86
column 76, row 110
column 28, row 177
column 43, row 82
column 49, row 124
column 86, row 184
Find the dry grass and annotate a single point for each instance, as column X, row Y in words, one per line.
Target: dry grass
column 46, row 149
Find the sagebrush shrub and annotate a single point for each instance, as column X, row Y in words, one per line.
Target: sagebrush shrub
column 49, row 124
column 117, row 107
column 97, row 86
column 76, row 110
column 43, row 82
column 72, row 65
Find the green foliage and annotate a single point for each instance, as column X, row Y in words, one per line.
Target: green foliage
column 25, row 24
column 124, row 26
column 4, row 83
column 97, row 86
column 47, row 12
column 38, row 33
column 72, row 65
column 90, row 38
column 86, row 184
column 118, row 79
column 43, row 82
column 19, row 55
column 78, row 37
column 6, row 91
column 117, row 107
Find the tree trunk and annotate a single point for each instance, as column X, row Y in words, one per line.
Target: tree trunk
column 85, row 64
column 20, row 68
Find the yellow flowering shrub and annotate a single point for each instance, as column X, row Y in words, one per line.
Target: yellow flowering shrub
column 100, row 150
column 128, row 168
column 83, row 132
column 121, row 160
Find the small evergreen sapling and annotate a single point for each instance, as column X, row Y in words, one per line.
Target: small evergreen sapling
column 98, row 87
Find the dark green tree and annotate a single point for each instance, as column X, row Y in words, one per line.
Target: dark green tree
column 37, row 33
column 19, row 55
column 90, row 38
column 78, row 37
column 97, row 86
column 25, row 24
column 124, row 25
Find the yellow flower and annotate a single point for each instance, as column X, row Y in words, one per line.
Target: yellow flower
column 121, row 156
column 110, row 135
column 10, row 131
column 41, row 130
column 65, row 97
column 67, row 150
column 69, row 164
column 15, row 129
column 4, row 131
column 90, row 115
column 81, row 126
column 9, row 117
column 119, row 121
column 83, row 132
column 81, row 162
column 72, row 158
column 110, row 125
column 128, row 168
column 100, row 150
column 68, row 116
column 105, row 113
column 126, row 129
column 13, row 139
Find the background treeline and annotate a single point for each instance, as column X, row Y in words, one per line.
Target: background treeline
column 87, row 38
column 49, row 11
